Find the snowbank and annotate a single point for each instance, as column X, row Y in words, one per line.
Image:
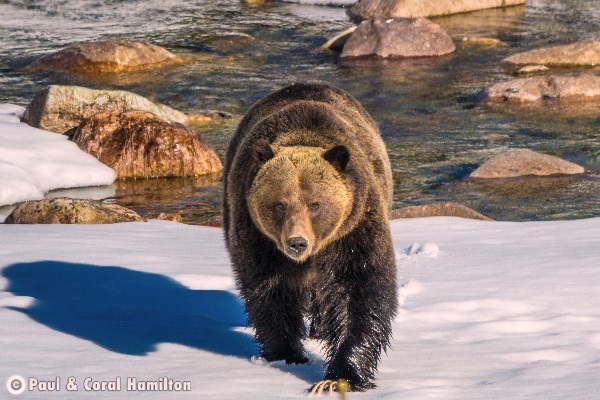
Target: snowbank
column 489, row 310
column 33, row 161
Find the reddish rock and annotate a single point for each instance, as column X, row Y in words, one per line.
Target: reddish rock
column 215, row 223
column 563, row 88
column 70, row 211
column 138, row 144
column 365, row 9
column 581, row 53
column 449, row 209
column 115, row 55
column 515, row 163
column 398, row 37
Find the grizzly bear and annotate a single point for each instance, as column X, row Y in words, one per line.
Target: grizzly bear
column 307, row 190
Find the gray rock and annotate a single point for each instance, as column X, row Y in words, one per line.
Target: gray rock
column 115, row 55
column 60, row 108
column 581, row 53
column 449, row 209
column 138, row 144
column 563, row 88
column 365, row 9
column 397, row 37
column 515, row 163
column 70, row 211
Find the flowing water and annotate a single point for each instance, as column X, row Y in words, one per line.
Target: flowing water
column 435, row 129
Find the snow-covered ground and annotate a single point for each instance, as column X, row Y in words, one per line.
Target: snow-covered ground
column 489, row 310
column 34, row 161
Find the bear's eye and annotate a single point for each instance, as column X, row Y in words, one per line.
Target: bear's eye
column 279, row 206
column 314, row 206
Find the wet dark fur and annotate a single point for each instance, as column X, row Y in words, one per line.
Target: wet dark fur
column 347, row 290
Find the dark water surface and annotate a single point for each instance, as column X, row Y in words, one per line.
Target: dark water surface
column 435, row 129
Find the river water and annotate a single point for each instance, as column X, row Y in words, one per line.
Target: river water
column 435, row 129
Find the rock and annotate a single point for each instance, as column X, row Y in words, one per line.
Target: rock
column 215, row 223
column 138, row 144
column 581, row 53
column 208, row 117
column 515, row 163
column 70, row 211
column 563, row 88
column 398, row 37
column 255, row 2
column 483, row 42
column 532, row 69
column 337, row 42
column 365, row 9
column 60, row 108
column 115, row 55
column 164, row 217
column 449, row 209
column 229, row 40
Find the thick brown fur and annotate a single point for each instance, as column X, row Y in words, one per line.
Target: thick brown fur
column 307, row 161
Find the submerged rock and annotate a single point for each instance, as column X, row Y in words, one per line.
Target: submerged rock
column 532, row 69
column 581, row 53
column 449, row 209
column 208, row 117
column 563, row 88
column 60, row 108
column 70, row 211
column 337, row 42
column 523, row 162
column 397, row 37
column 138, row 144
column 115, row 55
column 365, row 9
column 483, row 41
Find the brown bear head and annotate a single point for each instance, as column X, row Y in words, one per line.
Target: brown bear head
column 300, row 197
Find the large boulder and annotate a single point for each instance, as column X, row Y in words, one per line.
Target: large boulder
column 70, row 211
column 522, row 162
column 115, row 55
column 61, row 108
column 138, row 144
column 581, row 53
column 449, row 209
column 563, row 88
column 397, row 37
column 365, row 9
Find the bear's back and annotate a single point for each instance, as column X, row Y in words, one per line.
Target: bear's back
column 314, row 115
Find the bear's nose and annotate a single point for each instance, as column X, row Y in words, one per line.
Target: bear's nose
column 297, row 244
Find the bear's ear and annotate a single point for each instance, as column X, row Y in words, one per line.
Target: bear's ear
column 338, row 156
column 262, row 151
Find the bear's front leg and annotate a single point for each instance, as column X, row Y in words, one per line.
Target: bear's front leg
column 357, row 303
column 275, row 310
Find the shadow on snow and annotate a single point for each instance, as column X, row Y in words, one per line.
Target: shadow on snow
column 127, row 311
column 130, row 312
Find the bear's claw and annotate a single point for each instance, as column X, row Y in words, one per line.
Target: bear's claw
column 323, row 386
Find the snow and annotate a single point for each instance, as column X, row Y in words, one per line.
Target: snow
column 488, row 310
column 34, row 161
